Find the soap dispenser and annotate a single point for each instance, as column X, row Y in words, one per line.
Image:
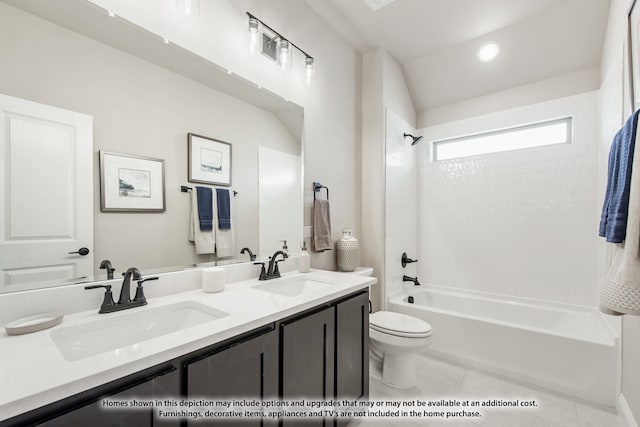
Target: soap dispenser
column 304, row 260
column 285, row 249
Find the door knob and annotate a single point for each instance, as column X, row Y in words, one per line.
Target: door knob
column 81, row 251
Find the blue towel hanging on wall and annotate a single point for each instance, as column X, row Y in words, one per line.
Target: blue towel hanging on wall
column 205, row 208
column 224, row 209
column 613, row 222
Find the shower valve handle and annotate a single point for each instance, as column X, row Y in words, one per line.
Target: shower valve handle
column 406, row 260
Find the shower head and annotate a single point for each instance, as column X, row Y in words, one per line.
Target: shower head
column 415, row 139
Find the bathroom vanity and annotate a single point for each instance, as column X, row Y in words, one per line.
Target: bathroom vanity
column 305, row 335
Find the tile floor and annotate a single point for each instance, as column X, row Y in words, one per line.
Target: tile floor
column 439, row 380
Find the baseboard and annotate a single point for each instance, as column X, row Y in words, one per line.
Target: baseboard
column 625, row 412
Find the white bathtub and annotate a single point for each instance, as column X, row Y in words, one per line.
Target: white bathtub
column 565, row 348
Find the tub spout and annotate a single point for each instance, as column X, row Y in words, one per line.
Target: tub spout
column 406, row 278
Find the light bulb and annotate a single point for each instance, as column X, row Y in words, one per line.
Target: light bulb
column 283, row 55
column 253, row 34
column 189, row 7
column 308, row 65
column 488, row 52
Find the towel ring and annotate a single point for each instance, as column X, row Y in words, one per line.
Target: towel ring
column 317, row 187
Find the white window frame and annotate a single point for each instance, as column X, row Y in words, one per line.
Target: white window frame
column 481, row 138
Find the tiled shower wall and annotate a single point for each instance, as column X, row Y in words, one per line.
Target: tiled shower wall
column 520, row 223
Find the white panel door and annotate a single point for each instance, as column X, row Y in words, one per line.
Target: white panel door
column 46, row 193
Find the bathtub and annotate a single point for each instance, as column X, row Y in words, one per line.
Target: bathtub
column 564, row 348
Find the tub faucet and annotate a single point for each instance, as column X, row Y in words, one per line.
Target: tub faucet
column 406, row 278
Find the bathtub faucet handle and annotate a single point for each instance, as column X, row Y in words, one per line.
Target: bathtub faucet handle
column 406, row 260
column 406, row 278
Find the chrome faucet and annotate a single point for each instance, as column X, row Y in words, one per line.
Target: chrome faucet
column 406, row 278
column 125, row 301
column 272, row 271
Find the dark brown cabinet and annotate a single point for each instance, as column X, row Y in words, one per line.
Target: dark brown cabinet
column 247, row 369
column 307, row 360
column 325, row 355
column 95, row 414
column 321, row 353
column 352, row 350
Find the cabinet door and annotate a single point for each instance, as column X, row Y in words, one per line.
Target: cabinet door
column 307, row 363
column 95, row 415
column 248, row 369
column 352, row 350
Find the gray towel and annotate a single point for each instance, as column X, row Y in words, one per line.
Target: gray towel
column 321, row 226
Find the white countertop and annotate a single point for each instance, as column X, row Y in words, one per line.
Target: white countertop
column 38, row 374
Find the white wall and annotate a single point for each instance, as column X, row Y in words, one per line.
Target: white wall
column 139, row 109
column 331, row 110
column 518, row 223
column 532, row 93
column 401, row 219
column 614, row 108
column 383, row 88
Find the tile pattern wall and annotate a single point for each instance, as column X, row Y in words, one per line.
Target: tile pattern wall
column 520, row 223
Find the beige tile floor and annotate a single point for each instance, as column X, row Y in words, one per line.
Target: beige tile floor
column 440, row 380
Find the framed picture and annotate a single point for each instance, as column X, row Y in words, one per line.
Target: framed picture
column 209, row 160
column 633, row 46
column 131, row 183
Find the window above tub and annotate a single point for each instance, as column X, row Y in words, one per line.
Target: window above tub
column 549, row 132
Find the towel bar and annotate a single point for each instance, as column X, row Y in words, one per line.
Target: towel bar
column 185, row 189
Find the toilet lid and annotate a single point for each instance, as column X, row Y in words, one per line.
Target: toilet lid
column 399, row 324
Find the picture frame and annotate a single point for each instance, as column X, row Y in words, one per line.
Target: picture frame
column 209, row 160
column 131, row 183
column 633, row 53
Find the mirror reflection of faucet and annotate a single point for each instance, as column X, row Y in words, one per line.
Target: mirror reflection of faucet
column 252, row 256
column 106, row 265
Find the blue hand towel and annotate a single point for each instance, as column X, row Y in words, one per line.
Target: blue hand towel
column 205, row 208
column 613, row 222
column 224, row 209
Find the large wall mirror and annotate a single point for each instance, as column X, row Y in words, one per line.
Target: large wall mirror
column 141, row 97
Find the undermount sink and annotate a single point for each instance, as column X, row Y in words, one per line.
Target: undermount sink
column 130, row 328
column 291, row 287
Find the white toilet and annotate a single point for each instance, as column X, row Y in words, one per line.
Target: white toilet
column 395, row 338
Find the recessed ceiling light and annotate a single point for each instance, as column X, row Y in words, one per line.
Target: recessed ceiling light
column 488, row 52
column 377, row 4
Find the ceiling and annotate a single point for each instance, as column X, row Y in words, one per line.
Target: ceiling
column 436, row 41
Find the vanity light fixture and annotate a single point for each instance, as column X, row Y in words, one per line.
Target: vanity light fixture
column 488, row 51
column 188, row 7
column 283, row 52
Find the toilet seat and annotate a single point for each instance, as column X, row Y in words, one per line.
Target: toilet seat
column 399, row 324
